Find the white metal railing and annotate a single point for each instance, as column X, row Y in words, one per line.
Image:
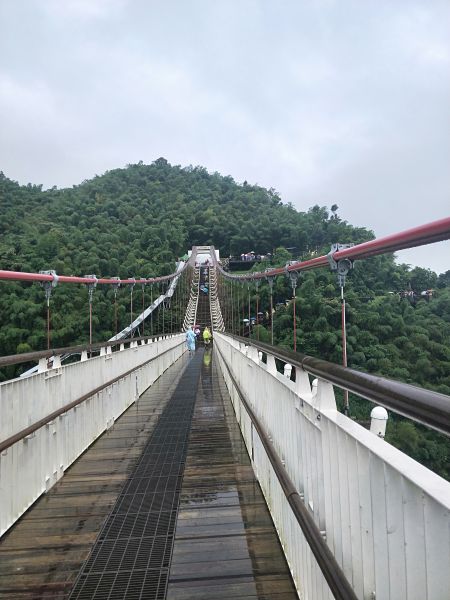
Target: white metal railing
column 216, row 312
column 384, row 516
column 32, row 464
column 128, row 331
column 191, row 310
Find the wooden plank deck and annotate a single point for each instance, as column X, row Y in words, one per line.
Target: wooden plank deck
column 225, row 545
column 42, row 554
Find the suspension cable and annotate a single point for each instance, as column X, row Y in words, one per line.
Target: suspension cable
column 132, row 284
column 116, row 287
column 257, row 309
column 249, row 311
column 171, row 314
column 293, row 277
column 243, row 308
column 164, row 310
column 233, row 305
column 92, row 279
column 344, row 346
column 270, row 281
column 151, row 314
column 143, row 309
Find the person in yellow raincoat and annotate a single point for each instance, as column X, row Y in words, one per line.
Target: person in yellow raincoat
column 207, row 336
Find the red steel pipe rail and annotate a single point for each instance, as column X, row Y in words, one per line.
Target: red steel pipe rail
column 42, row 278
column 430, row 233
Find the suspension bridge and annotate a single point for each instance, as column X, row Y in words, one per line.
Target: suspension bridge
column 130, row 468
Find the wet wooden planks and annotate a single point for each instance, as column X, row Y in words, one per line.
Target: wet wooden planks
column 42, row 554
column 226, row 546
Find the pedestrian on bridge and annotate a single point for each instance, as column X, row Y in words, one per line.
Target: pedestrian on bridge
column 190, row 340
column 207, row 336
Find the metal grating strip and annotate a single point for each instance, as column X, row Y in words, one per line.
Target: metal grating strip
column 131, row 556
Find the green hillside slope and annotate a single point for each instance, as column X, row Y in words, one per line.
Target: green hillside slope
column 136, row 221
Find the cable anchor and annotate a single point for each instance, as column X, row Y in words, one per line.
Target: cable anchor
column 91, row 286
column 131, row 282
column 49, row 285
column 342, row 266
column 116, row 286
column 270, row 279
column 292, row 275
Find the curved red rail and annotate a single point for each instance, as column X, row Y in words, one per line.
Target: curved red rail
column 430, row 233
column 41, row 278
column 410, row 238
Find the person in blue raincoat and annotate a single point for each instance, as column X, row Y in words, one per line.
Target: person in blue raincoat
column 190, row 340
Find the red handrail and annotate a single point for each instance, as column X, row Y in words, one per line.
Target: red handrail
column 41, row 278
column 430, row 233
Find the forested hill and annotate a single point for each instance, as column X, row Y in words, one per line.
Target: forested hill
column 130, row 221
column 136, row 221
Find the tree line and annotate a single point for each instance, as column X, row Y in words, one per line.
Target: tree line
column 136, row 221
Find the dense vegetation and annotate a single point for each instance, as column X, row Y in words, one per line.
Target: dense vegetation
column 386, row 335
column 136, row 221
column 131, row 222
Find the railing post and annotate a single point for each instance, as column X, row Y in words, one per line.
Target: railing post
column 324, row 398
column 271, row 365
column 287, row 370
column 302, row 385
column 42, row 366
column 378, row 421
column 252, row 353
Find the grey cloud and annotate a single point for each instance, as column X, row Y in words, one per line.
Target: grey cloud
column 328, row 102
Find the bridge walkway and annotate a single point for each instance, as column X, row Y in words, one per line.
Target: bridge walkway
column 224, row 542
column 225, row 545
column 203, row 316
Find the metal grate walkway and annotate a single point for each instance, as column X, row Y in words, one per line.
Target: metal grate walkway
column 226, row 547
column 213, row 539
column 203, row 317
column 131, row 556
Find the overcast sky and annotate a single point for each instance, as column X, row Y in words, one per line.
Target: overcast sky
column 341, row 102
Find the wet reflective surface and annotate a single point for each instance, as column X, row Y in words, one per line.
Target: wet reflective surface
column 42, row 554
column 225, row 543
